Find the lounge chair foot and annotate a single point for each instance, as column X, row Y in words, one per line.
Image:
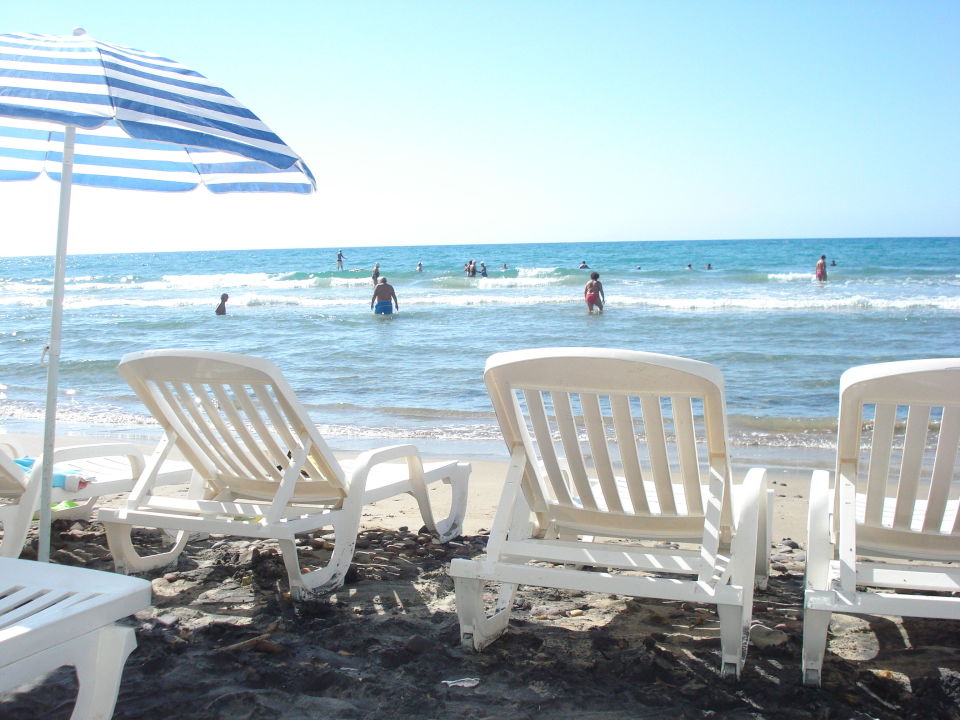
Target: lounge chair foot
column 127, row 560
column 729, row 670
column 451, row 526
column 811, row 677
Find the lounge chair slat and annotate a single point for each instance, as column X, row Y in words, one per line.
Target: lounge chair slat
column 878, row 472
column 218, row 416
column 597, row 437
column 655, row 432
column 914, row 439
column 627, row 445
column 253, row 450
column 687, row 449
column 941, row 477
column 570, row 440
column 259, row 427
column 543, row 439
column 280, row 429
column 202, row 435
column 320, row 465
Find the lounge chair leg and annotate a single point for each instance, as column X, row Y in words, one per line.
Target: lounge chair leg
column 477, row 630
column 331, row 576
column 15, row 527
column 734, row 636
column 764, row 533
column 127, row 560
column 816, row 623
column 452, row 525
column 325, row 579
column 99, row 666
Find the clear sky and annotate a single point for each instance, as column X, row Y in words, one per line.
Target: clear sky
column 481, row 121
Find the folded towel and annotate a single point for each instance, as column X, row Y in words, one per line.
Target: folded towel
column 69, row 480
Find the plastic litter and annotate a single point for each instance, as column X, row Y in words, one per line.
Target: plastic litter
column 462, row 682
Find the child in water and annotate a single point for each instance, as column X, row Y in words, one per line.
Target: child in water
column 593, row 293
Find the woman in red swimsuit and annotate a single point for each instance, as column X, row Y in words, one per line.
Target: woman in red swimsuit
column 593, row 293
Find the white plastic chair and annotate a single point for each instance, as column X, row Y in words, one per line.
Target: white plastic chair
column 622, row 446
column 111, row 468
column 262, row 467
column 891, row 516
column 54, row 615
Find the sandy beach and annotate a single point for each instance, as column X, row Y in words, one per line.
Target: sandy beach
column 223, row 639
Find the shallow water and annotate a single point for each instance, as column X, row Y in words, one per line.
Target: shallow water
column 781, row 339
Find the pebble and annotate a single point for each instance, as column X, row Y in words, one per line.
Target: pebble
column 417, row 644
column 764, row 637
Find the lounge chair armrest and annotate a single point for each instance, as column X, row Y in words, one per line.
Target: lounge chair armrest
column 749, row 519
column 820, row 549
column 747, row 496
column 119, row 449
column 367, row 460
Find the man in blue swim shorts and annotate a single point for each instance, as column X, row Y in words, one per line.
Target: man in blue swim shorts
column 383, row 294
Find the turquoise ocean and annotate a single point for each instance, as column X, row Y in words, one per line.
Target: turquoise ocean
column 781, row 338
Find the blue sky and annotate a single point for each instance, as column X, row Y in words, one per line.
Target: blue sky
column 475, row 122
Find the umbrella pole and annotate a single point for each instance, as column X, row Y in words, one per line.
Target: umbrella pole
column 53, row 362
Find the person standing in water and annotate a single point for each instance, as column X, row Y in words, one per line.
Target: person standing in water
column 340, row 257
column 383, row 294
column 419, row 267
column 593, row 293
column 375, row 274
column 222, row 307
column 822, row 268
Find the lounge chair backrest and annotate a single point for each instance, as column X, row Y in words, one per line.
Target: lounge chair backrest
column 899, row 429
column 236, row 420
column 12, row 477
column 617, row 442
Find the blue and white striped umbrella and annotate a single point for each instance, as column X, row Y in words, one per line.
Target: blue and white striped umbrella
column 88, row 112
column 143, row 121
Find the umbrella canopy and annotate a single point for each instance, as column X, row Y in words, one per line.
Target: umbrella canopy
column 108, row 157
column 92, row 113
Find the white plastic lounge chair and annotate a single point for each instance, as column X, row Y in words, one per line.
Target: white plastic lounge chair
column 109, row 468
column 630, row 447
column 891, row 517
column 264, row 469
column 54, row 615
